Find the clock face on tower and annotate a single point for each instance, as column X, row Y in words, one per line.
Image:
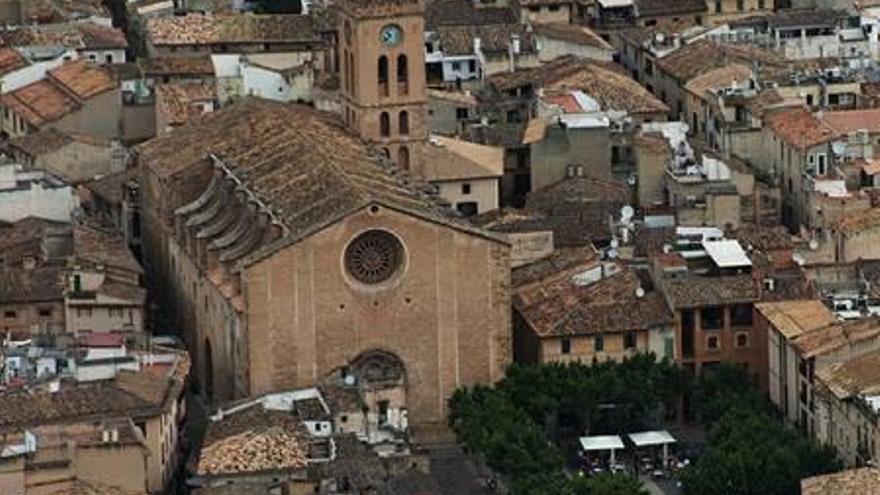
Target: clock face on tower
column 391, row 35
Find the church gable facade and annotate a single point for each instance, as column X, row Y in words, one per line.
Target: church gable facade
column 289, row 255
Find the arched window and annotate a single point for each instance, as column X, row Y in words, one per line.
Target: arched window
column 382, row 71
column 384, row 124
column 403, row 158
column 352, row 83
column 386, row 153
column 402, row 75
column 403, row 123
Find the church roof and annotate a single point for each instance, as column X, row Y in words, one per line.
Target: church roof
column 298, row 164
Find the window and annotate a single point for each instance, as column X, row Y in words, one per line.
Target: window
column 84, row 312
column 403, row 158
column 713, row 343
column 472, row 66
column 534, row 9
column 717, row 6
column 761, row 5
column 403, row 123
column 821, row 165
column 402, row 74
column 712, row 318
column 429, row 48
column 810, row 100
column 384, row 124
column 10, row 315
column 383, row 75
column 740, row 5
column 456, row 66
column 374, row 257
column 466, row 188
column 554, row 8
column 599, row 343
column 461, row 113
column 833, row 99
column 467, row 208
column 45, row 312
column 742, row 340
column 741, row 315
column 566, row 346
column 629, row 340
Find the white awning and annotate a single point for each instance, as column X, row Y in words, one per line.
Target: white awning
column 727, row 253
column 648, row 438
column 610, row 4
column 602, row 442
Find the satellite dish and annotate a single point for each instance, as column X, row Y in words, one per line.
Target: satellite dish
column 814, row 244
column 798, row 259
column 626, row 213
column 615, row 243
column 349, row 380
column 640, row 292
column 838, row 147
column 612, row 253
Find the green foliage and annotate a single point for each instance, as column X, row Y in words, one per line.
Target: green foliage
column 502, row 424
column 750, row 452
column 605, row 484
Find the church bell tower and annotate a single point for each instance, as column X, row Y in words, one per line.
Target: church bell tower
column 382, row 76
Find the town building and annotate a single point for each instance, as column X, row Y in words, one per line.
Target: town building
column 847, row 415
column 74, row 158
column 34, row 193
column 112, row 421
column 224, row 235
column 861, row 480
column 557, row 39
column 197, row 34
column 76, row 97
column 467, row 175
column 95, row 42
column 574, row 307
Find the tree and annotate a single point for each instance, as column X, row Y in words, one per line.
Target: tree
column 605, row 484
column 752, row 453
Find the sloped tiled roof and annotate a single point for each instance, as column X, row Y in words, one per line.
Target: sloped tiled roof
column 570, row 32
column 649, row 8
column 197, row 29
column 83, row 79
column 182, row 101
column 610, row 87
column 859, row 376
column 862, row 481
column 198, row 65
column 692, row 59
column 11, row 60
column 848, row 121
column 494, row 38
column 465, row 13
column 705, row 84
column 693, row 292
column 454, row 159
column 558, row 305
column 794, row 318
column 40, row 102
column 798, row 127
column 309, row 175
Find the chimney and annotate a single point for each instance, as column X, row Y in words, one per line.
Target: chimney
column 477, row 44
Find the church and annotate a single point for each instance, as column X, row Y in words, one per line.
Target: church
column 290, row 247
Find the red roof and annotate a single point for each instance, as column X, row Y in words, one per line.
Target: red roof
column 104, row 339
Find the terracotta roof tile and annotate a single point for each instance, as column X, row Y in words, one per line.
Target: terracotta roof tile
column 83, row 79
column 794, row 318
column 308, row 175
column 611, row 88
column 177, row 66
column 196, row 29
column 494, row 38
column 829, row 338
column 859, row 376
column 847, row 121
column 799, row 128
column 181, row 102
column 11, row 60
column 454, row 159
column 855, row 481
column 573, row 33
column 465, row 13
column 693, row 59
column 559, row 304
column 714, row 80
column 76, row 35
column 696, row 291
column 649, row 8
column 40, row 102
